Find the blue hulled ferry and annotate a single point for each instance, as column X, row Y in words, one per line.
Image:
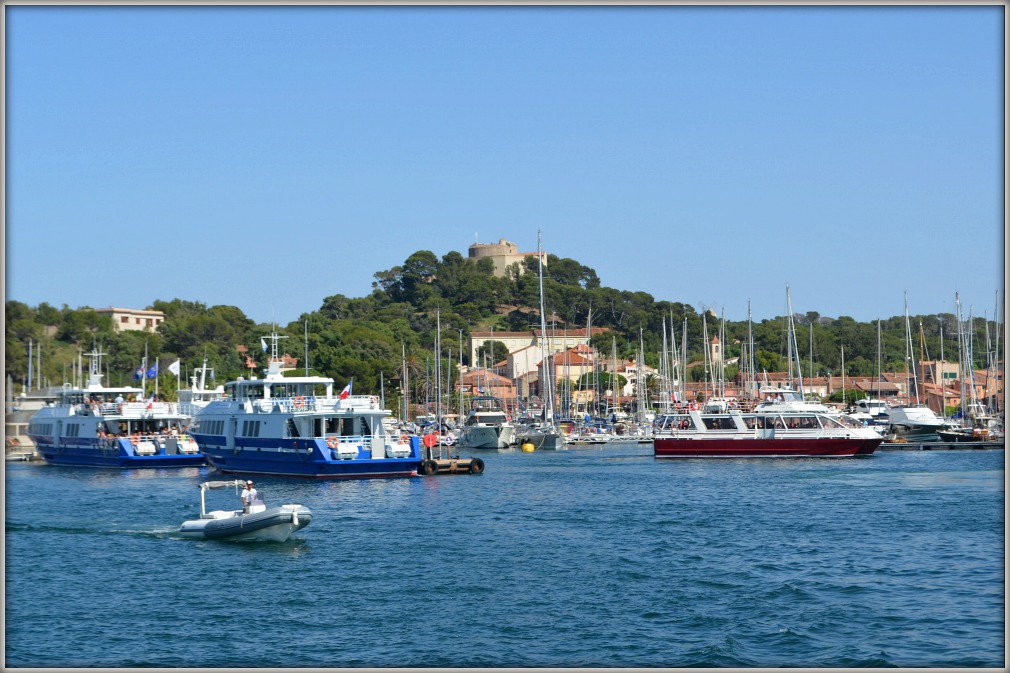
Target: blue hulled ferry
column 98, row 426
column 296, row 426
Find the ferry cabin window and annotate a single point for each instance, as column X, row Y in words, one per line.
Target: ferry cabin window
column 771, row 422
column 719, row 423
column 281, row 390
column 801, row 422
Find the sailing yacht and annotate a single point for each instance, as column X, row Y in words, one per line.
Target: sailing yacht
column 914, row 421
column 544, row 433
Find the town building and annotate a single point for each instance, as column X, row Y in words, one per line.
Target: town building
column 124, row 319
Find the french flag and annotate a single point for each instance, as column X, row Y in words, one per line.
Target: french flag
column 346, row 392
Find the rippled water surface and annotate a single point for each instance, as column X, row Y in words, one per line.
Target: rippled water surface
column 586, row 557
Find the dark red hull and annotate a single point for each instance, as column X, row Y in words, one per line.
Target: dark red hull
column 680, row 447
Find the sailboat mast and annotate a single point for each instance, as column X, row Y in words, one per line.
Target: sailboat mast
column 683, row 358
column 789, row 335
column 878, row 359
column 908, row 354
column 438, row 368
column 548, row 397
column 406, row 382
column 751, row 362
column 843, row 376
column 641, row 377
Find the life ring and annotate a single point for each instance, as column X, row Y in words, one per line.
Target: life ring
column 299, row 402
column 332, row 441
column 404, row 439
column 135, row 439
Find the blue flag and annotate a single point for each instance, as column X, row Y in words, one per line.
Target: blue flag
column 153, row 371
column 137, row 375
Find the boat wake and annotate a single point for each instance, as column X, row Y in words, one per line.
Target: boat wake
column 13, row 527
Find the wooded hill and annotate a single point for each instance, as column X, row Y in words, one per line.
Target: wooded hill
column 366, row 336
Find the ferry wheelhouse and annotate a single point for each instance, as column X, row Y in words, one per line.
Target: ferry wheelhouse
column 296, row 426
column 98, row 426
column 760, row 434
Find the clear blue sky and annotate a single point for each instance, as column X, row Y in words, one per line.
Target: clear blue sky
column 269, row 157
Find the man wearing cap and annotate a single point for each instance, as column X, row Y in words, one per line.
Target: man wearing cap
column 251, row 500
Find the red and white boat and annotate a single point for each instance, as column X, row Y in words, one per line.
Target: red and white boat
column 771, row 434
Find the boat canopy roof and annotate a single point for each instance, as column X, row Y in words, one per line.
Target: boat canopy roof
column 222, row 484
column 97, row 391
column 788, row 394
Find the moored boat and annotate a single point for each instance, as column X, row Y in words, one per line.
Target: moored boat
column 542, row 436
column 99, row 426
column 487, row 426
column 296, row 426
column 197, row 396
column 917, row 422
column 760, row 434
column 275, row 524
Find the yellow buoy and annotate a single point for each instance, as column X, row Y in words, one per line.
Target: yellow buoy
column 527, row 447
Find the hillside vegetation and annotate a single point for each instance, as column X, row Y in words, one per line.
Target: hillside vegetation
column 366, row 337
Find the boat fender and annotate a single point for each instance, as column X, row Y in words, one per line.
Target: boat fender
column 476, row 466
column 429, row 467
column 332, row 441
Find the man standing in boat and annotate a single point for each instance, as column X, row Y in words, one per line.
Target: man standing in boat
column 251, row 499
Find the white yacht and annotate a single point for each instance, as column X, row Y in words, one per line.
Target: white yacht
column 487, row 426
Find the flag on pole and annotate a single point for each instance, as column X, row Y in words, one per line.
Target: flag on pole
column 263, row 342
column 174, row 368
column 139, row 373
column 345, row 393
column 153, row 371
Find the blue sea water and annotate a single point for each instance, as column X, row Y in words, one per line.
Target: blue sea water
column 598, row 557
